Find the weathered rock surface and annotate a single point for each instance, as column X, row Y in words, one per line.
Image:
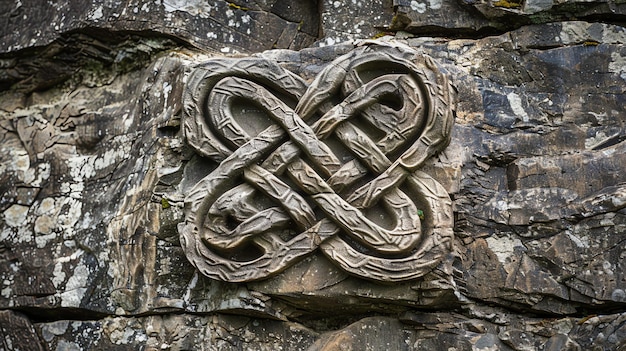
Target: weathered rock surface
column 227, row 27
column 484, row 16
column 93, row 168
column 415, row 331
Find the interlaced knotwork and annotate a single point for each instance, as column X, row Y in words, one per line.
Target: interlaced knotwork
column 332, row 165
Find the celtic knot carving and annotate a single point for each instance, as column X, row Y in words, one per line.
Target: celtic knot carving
column 333, row 165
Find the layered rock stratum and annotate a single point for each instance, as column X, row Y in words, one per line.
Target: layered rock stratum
column 95, row 167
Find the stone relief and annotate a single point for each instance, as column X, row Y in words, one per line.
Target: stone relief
column 94, row 168
column 334, row 164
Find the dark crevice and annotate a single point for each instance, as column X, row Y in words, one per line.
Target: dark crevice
column 47, row 315
column 79, row 51
column 324, row 322
column 507, row 22
column 521, row 309
column 449, row 33
column 168, row 131
column 610, row 141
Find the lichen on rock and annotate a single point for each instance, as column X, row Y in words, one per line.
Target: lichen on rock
column 95, row 167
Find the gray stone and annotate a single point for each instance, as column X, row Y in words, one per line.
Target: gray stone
column 95, row 167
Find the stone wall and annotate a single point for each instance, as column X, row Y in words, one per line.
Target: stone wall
column 95, row 167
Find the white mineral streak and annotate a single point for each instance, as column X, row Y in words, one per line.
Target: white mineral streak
column 503, row 247
column 574, row 32
column 614, row 35
column 516, row 105
column 194, row 7
column 76, row 286
column 618, row 64
column 534, row 6
column 581, row 242
column 435, row 4
column 190, row 287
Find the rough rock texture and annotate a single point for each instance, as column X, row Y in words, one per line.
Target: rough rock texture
column 227, row 27
column 93, row 167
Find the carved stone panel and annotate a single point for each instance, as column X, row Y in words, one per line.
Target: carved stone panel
column 331, row 166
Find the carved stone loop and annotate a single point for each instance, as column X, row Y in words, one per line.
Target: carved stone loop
column 332, row 165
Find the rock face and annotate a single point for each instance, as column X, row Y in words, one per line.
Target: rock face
column 96, row 166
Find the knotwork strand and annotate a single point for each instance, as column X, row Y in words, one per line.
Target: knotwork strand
column 205, row 231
